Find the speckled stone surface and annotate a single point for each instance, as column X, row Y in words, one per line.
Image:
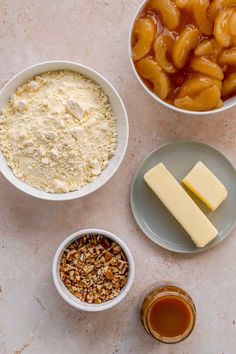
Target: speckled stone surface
column 33, row 317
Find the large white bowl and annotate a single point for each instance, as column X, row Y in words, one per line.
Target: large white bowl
column 68, row 296
column 231, row 102
column 118, row 110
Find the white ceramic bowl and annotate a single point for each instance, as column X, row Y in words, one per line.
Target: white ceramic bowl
column 68, row 296
column 118, row 110
column 231, row 102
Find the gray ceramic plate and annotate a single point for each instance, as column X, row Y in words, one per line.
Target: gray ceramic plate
column 152, row 216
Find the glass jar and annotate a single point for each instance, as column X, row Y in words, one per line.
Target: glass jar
column 168, row 314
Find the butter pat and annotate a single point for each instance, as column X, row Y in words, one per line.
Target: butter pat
column 179, row 203
column 202, row 182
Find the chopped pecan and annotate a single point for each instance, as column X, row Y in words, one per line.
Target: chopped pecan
column 94, row 269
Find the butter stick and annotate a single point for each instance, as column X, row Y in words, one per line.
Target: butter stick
column 202, row 182
column 181, row 206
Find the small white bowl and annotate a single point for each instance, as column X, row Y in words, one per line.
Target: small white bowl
column 118, row 110
column 68, row 296
column 231, row 102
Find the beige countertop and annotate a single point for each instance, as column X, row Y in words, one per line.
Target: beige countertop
column 33, row 317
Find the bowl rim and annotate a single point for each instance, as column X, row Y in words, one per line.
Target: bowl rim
column 93, row 307
column 152, row 94
column 40, row 194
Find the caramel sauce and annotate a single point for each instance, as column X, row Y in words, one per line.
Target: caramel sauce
column 178, row 78
column 170, row 316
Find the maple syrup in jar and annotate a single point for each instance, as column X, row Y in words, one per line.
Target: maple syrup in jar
column 168, row 314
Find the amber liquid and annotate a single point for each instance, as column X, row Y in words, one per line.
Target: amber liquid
column 170, row 316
